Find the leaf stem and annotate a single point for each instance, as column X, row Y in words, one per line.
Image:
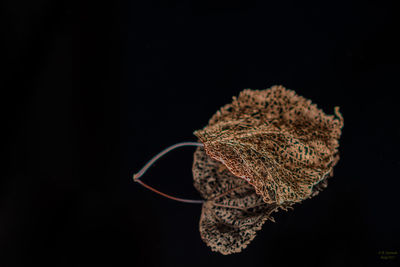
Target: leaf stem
column 136, row 177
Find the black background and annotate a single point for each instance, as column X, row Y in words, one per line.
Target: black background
column 91, row 91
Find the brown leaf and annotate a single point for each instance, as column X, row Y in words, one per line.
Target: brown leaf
column 233, row 212
column 275, row 140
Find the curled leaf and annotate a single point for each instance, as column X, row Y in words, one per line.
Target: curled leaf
column 233, row 212
column 277, row 141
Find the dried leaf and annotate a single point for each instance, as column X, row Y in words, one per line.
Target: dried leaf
column 233, row 212
column 277, row 141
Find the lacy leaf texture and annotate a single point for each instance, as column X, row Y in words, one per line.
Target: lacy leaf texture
column 266, row 151
column 275, row 140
